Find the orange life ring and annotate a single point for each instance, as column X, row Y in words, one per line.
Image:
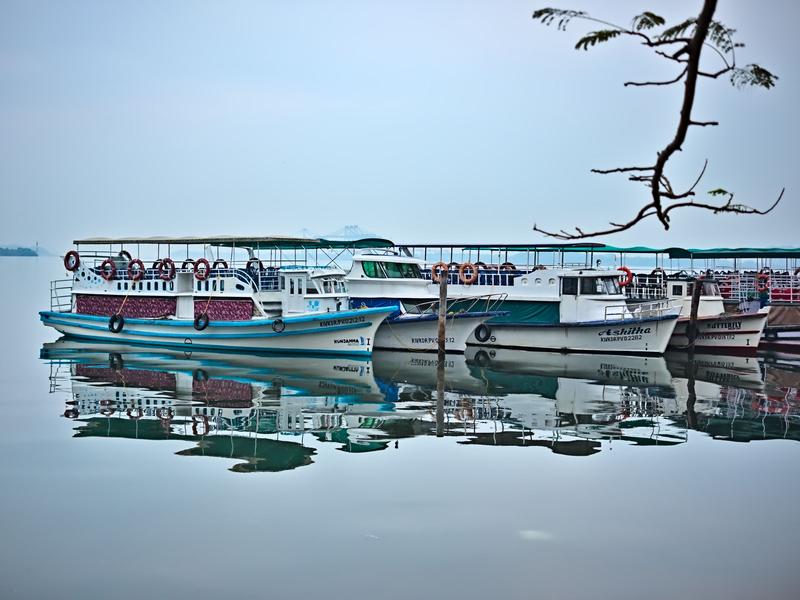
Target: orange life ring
column 108, row 269
column 628, row 276
column 130, row 413
column 166, row 269
column 135, row 274
column 762, row 282
column 72, row 260
column 508, row 266
column 196, row 420
column 463, row 277
column 202, row 269
column 438, row 270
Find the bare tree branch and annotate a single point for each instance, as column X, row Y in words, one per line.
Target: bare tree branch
column 705, row 32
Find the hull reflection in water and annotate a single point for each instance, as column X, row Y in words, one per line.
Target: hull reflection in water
column 273, row 413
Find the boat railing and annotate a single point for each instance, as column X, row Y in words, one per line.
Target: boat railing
column 466, row 304
column 642, row 310
column 646, row 287
column 492, row 277
column 741, row 286
column 61, row 295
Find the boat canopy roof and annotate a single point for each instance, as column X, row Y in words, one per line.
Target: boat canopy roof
column 255, row 242
column 672, row 252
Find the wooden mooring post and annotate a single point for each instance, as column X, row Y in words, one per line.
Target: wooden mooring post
column 691, row 328
column 441, row 340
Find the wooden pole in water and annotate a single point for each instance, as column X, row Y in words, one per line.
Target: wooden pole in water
column 441, row 353
column 691, row 328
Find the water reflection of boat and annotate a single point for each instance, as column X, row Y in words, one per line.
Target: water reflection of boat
column 270, row 412
column 739, row 371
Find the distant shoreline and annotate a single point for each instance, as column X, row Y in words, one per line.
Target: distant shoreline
column 18, row 252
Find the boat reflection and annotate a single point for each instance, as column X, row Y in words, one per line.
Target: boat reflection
column 274, row 413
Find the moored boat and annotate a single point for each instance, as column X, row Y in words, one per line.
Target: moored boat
column 200, row 304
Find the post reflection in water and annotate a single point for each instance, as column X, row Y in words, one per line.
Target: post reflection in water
column 273, row 413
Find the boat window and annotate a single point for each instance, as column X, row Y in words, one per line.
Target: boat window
column 119, row 285
column 689, row 289
column 391, row 270
column 710, row 289
column 148, row 286
column 126, row 285
column 222, row 285
column 214, row 286
column 612, row 285
column 372, row 269
column 677, row 290
column 569, row 286
column 592, row 286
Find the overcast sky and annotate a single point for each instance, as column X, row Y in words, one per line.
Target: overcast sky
column 421, row 121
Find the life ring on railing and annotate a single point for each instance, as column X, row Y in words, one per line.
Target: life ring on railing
column 116, row 323
column 254, row 266
column 219, row 262
column 108, row 269
column 161, row 416
column 135, row 274
column 462, row 273
column 166, row 269
column 202, row 269
column 196, row 420
column 628, row 276
column 762, row 282
column 437, row 271
column 201, row 321
column 72, row 260
column 508, row 266
column 139, row 413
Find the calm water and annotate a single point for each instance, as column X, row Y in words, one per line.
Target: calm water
column 128, row 472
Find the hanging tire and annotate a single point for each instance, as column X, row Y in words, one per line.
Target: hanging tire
column 201, row 321
column 483, row 332
column 200, row 375
column 219, row 263
column 115, row 361
column 116, row 323
column 72, row 261
column 482, row 358
column 278, row 325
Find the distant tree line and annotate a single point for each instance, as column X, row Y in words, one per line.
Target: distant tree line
column 17, row 252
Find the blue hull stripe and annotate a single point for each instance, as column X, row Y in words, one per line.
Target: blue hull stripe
column 246, row 349
column 614, row 323
column 343, row 314
column 199, row 334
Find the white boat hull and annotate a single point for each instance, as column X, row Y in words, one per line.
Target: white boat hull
column 421, row 334
column 625, row 336
column 345, row 332
column 728, row 332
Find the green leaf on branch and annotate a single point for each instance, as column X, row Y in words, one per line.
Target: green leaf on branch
column 753, row 75
column 647, row 20
column 596, row 37
column 677, row 31
column 719, row 192
column 548, row 15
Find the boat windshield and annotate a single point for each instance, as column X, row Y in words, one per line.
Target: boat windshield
column 391, row 270
column 594, row 286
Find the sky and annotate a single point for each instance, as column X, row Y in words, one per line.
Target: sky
column 422, row 121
